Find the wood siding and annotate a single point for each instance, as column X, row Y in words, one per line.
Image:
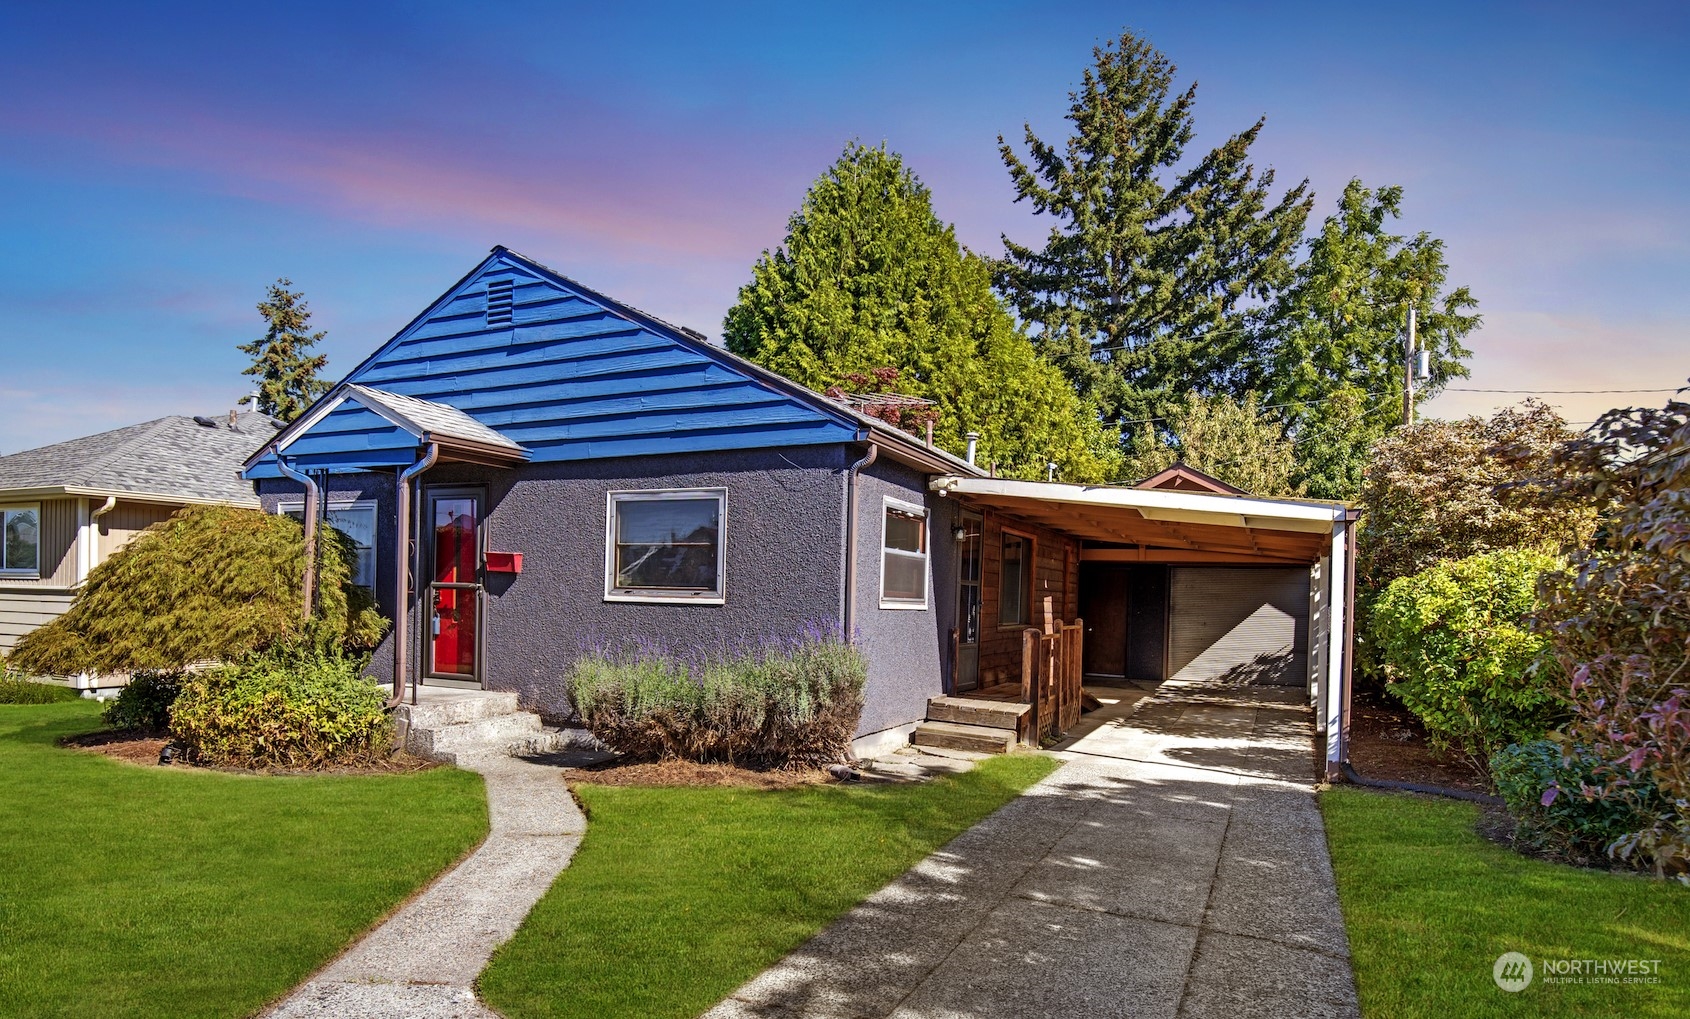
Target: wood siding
column 1056, row 593
column 567, row 373
column 125, row 520
column 22, row 611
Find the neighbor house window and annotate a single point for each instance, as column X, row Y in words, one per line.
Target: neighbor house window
column 903, row 557
column 1015, row 596
column 666, row 546
column 21, row 550
column 356, row 520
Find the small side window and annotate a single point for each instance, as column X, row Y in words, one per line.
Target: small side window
column 20, row 551
column 1016, row 580
column 903, row 557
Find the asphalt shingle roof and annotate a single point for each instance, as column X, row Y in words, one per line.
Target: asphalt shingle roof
column 172, row 457
column 429, row 417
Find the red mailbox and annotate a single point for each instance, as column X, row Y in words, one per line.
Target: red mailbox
column 504, row 562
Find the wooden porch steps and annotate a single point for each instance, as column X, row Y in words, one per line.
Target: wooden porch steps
column 951, row 736
column 972, row 723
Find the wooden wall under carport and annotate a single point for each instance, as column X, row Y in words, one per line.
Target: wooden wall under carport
column 1056, row 592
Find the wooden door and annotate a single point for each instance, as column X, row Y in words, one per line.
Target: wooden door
column 1103, row 606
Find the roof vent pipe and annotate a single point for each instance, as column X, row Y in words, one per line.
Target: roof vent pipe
column 973, row 444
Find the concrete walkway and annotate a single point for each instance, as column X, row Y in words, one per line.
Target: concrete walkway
column 1175, row 866
column 421, row 963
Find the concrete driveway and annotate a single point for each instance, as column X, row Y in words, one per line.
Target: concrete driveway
column 1176, row 865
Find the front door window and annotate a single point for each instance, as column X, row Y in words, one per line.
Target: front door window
column 454, row 590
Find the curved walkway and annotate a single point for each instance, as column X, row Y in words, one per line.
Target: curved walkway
column 1176, row 866
column 422, row 962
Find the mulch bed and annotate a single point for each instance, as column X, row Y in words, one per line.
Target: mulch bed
column 1386, row 742
column 144, row 748
column 691, row 773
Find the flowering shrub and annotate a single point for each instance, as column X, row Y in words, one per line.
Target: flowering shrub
column 1619, row 621
column 1459, row 654
column 779, row 705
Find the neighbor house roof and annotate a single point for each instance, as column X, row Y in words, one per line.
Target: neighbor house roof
column 171, row 459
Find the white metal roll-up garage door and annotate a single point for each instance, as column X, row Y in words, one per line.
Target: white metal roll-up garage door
column 1244, row 625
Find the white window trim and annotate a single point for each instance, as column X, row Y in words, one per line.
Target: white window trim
column 26, row 572
column 298, row 506
column 660, row 596
column 902, row 604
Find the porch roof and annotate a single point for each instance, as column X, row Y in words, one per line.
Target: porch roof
column 1162, row 523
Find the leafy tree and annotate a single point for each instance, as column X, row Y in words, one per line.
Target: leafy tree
column 871, row 284
column 1331, row 352
column 210, row 584
column 287, row 374
column 1141, row 290
column 1228, row 439
column 1444, row 490
column 1619, row 622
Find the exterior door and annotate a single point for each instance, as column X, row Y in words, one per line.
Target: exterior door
column 1103, row 606
column 454, row 595
column 968, row 603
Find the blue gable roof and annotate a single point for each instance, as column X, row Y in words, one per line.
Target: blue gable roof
column 566, row 373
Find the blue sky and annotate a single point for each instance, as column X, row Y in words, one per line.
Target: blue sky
column 161, row 164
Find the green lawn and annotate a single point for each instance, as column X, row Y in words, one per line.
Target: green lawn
column 137, row 891
column 1429, row 905
column 680, row 895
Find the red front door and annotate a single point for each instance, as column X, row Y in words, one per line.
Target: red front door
column 454, row 588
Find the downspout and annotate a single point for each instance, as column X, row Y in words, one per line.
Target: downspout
column 312, row 500
column 94, row 533
column 850, row 606
column 1349, row 638
column 402, row 577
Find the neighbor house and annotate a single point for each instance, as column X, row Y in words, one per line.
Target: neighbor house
column 547, row 470
column 66, row 507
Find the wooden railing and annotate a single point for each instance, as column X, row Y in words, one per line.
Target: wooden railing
column 1050, row 679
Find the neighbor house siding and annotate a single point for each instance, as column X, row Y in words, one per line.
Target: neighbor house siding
column 23, row 610
column 1055, row 596
column 57, row 569
column 119, row 526
column 908, row 650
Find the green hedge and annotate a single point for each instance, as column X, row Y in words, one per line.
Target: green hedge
column 1459, row 653
column 285, row 708
column 144, row 703
column 1555, row 794
column 793, row 705
column 16, row 688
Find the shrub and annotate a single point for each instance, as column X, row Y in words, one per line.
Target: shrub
column 145, row 702
column 209, row 584
column 1458, row 652
column 782, row 706
column 16, row 688
column 1620, row 622
column 1554, row 793
column 286, row 708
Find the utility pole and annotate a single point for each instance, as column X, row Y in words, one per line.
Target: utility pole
column 1409, row 362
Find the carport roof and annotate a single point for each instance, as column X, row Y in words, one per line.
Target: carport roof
column 1178, row 522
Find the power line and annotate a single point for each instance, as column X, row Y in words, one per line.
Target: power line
column 1559, row 392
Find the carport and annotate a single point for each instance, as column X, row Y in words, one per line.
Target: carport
column 1187, row 579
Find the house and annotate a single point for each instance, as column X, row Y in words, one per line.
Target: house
column 548, row 470
column 68, row 506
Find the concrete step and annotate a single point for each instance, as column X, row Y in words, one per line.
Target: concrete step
column 441, row 707
column 983, row 738
column 976, row 711
column 494, row 734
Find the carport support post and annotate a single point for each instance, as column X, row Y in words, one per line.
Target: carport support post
column 1333, row 692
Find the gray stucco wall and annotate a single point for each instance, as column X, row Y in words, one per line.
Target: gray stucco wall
column 785, row 519
column 907, row 649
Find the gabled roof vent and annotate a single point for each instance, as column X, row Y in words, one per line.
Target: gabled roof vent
column 499, row 299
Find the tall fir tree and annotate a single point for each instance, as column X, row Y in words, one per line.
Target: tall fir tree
column 869, row 279
column 1142, row 290
column 1331, row 353
column 287, row 372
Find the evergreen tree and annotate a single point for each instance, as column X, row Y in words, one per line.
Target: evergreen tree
column 1222, row 437
column 869, row 279
column 287, row 373
column 1141, row 291
column 1332, row 348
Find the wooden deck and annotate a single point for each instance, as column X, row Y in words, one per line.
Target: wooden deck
column 1010, row 692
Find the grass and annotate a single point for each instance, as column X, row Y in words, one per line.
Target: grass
column 145, row 891
column 1430, row 904
column 679, row 895
column 15, row 689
